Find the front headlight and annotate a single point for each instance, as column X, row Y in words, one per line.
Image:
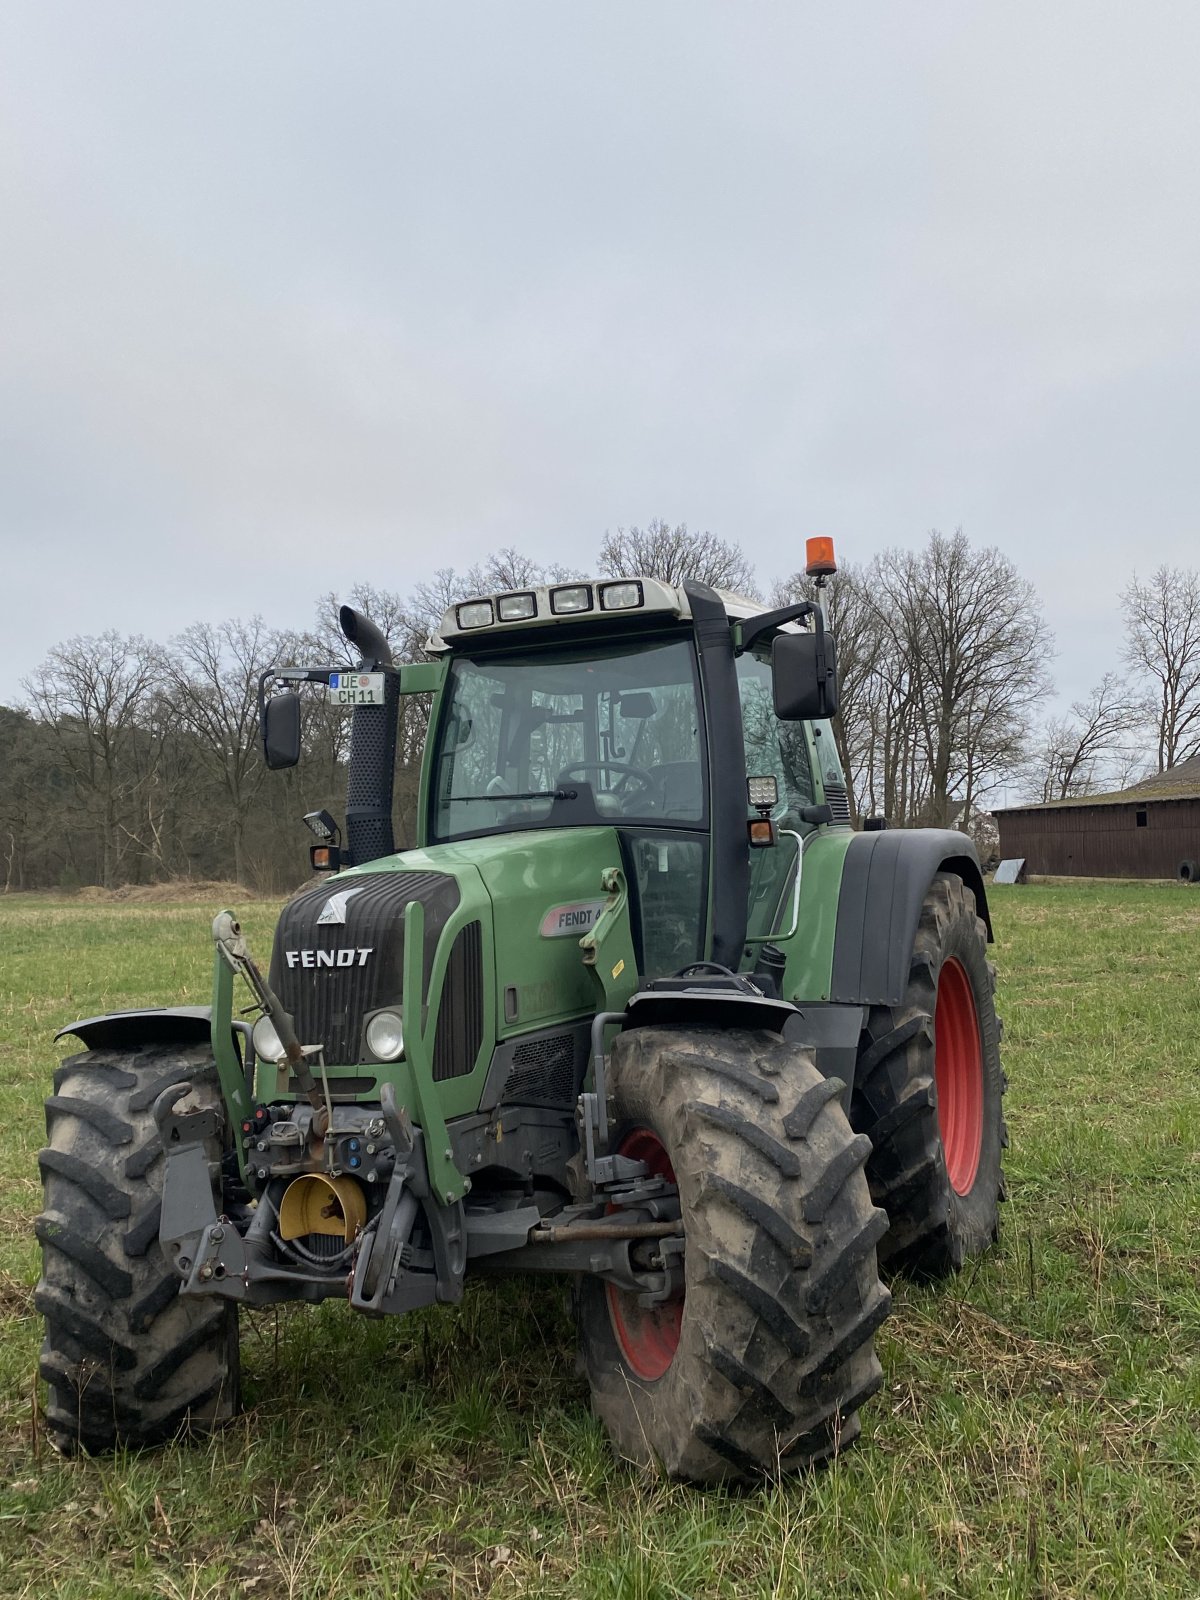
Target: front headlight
column 385, row 1036
column 267, row 1046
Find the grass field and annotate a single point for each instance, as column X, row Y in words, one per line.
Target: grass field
column 1037, row 1435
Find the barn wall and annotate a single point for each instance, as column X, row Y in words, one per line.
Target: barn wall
column 1104, row 841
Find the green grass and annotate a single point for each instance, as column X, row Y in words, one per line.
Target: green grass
column 1037, row 1435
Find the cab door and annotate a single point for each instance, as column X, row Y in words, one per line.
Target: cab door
column 779, row 750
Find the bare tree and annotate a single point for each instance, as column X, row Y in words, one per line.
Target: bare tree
column 942, row 656
column 673, row 554
column 213, row 676
column 974, row 645
column 93, row 692
column 26, row 795
column 1090, row 749
column 1164, row 642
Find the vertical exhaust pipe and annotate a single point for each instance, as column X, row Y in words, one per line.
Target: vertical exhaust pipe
column 372, row 748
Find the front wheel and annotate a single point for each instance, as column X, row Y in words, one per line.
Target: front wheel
column 128, row 1360
column 928, row 1091
column 758, row 1367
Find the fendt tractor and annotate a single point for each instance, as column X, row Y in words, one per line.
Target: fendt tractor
column 640, row 1008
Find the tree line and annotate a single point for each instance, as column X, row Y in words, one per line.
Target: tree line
column 944, row 658
column 131, row 760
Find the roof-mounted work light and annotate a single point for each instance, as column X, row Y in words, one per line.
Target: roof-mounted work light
column 620, row 596
column 574, row 597
column 475, row 614
column 517, row 607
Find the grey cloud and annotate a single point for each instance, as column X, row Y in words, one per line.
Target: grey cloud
column 294, row 296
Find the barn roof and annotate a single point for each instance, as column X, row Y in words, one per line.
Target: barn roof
column 1180, row 782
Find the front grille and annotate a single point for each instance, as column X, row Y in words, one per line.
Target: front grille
column 838, row 801
column 545, row 1071
column 460, row 1014
column 342, row 1087
column 329, row 1002
column 325, row 1246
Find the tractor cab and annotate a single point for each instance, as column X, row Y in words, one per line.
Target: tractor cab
column 688, row 721
column 654, row 710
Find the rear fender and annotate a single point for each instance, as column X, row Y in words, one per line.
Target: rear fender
column 885, row 878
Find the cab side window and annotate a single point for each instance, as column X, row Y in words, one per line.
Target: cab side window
column 779, row 750
column 773, row 748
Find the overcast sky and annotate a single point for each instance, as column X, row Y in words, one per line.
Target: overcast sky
column 293, row 295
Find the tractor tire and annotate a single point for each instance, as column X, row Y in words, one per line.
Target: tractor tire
column 759, row 1368
column 128, row 1361
column 1189, row 872
column 928, row 1093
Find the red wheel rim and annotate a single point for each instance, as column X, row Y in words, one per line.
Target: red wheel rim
column 958, row 1067
column 648, row 1335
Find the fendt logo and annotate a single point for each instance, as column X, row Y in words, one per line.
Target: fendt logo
column 577, row 918
column 335, row 908
column 328, row 958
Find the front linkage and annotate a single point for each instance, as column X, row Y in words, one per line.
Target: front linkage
column 310, row 1166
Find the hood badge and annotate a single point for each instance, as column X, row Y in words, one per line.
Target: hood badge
column 335, row 908
column 578, row 918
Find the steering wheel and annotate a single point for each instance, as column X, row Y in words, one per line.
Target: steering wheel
column 638, row 773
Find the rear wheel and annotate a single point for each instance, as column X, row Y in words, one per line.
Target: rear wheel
column 928, row 1091
column 128, row 1360
column 759, row 1365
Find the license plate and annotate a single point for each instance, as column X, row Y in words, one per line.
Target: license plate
column 355, row 688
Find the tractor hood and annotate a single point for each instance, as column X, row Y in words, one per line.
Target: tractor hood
column 339, row 953
column 502, row 920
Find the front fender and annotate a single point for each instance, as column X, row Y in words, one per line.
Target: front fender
column 125, row 1030
column 885, row 878
column 168, row 1024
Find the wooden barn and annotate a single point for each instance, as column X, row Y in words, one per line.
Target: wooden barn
column 1151, row 830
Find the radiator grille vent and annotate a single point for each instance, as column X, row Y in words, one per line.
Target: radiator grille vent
column 330, row 1000
column 838, row 801
column 544, row 1071
column 342, row 1086
column 325, row 1246
column 460, row 1014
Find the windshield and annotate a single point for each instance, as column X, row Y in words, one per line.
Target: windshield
column 568, row 738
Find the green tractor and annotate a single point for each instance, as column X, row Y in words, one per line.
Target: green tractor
column 640, row 1008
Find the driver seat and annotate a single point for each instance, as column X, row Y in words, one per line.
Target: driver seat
column 681, row 789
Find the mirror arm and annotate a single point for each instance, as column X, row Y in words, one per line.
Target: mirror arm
column 753, row 627
column 264, row 678
column 288, row 675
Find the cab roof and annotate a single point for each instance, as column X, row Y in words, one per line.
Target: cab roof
column 590, row 600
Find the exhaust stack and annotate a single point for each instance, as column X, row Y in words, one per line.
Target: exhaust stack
column 372, row 773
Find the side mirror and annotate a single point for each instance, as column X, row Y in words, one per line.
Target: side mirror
column 280, row 730
column 804, row 673
column 637, row 705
